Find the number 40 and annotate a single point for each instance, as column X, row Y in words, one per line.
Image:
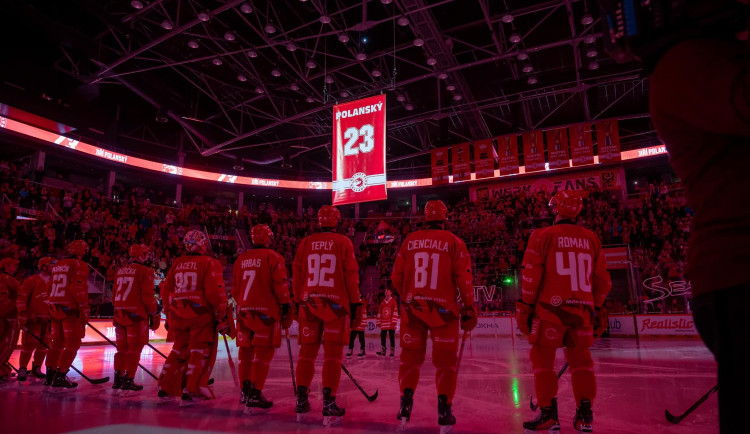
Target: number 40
column 352, row 134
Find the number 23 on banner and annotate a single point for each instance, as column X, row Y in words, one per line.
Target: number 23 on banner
column 352, row 135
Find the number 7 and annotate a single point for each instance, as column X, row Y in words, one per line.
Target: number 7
column 251, row 274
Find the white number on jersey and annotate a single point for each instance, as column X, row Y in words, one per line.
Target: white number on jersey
column 249, row 277
column 579, row 270
column 59, row 283
column 322, row 268
column 185, row 281
column 352, row 134
column 123, row 281
column 422, row 261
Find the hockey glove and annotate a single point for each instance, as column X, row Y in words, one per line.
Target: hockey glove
column 154, row 321
column 468, row 318
column 524, row 316
column 223, row 327
column 286, row 316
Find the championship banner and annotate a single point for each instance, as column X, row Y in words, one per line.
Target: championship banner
column 507, row 147
column 359, row 151
column 440, row 173
column 581, row 145
column 461, row 162
column 608, row 141
column 533, row 151
column 484, row 158
column 557, row 148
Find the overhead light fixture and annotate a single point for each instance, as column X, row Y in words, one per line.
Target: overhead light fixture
column 275, row 72
column 402, row 21
column 532, row 80
column 229, row 36
column 587, row 19
column 589, row 39
column 259, row 90
column 217, row 61
column 442, row 76
column 329, row 79
column 409, row 107
column 527, row 68
column 310, row 63
column 515, row 38
column 507, row 18
column 376, row 73
column 193, row 43
column 242, row 78
column 246, row 8
column 431, row 61
column 360, row 56
column 291, row 46
column 457, row 97
column 386, row 2
column 310, row 99
column 593, row 65
column 450, row 88
column 344, row 94
column 253, row 53
column 400, row 97
column 203, row 16
column 418, row 42
column 270, row 28
column 325, row 19
column 344, row 38
column 136, row 4
column 591, row 52
column 522, row 56
column 161, row 116
column 294, row 87
column 167, row 25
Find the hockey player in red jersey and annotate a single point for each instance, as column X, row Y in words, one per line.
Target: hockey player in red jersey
column 261, row 289
column 196, row 303
column 432, row 270
column 135, row 311
column 325, row 280
column 33, row 316
column 9, row 288
column 359, row 327
column 565, row 282
column 69, row 312
column 387, row 320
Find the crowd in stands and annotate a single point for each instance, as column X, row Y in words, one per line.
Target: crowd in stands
column 655, row 224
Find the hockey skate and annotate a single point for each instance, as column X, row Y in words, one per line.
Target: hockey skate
column 49, row 378
column 546, row 420
column 349, row 353
column 128, row 386
column 187, row 398
column 257, row 403
column 36, row 372
column 303, row 404
column 117, row 383
column 332, row 413
column 23, row 373
column 62, row 382
column 404, row 412
column 247, row 387
column 446, row 420
column 584, row 417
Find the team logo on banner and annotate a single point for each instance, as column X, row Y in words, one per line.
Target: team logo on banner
column 359, row 151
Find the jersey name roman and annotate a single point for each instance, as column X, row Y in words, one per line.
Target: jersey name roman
column 578, row 243
column 251, row 263
column 428, row 244
column 322, row 245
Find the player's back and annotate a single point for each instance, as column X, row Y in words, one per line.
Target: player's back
column 8, row 294
column 36, row 290
column 132, row 283
column 259, row 282
column 194, row 286
column 69, row 283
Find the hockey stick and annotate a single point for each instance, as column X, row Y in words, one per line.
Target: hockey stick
column 370, row 398
column 12, row 367
column 534, row 406
column 154, row 348
column 90, row 380
column 115, row 345
column 461, row 351
column 677, row 419
column 231, row 362
column 291, row 361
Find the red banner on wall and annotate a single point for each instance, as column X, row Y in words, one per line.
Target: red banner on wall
column 533, row 151
column 557, row 148
column 359, row 151
column 440, row 166
column 484, row 158
column 581, row 146
column 461, row 162
column 507, row 148
column 608, row 141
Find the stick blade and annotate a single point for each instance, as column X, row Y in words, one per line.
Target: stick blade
column 373, row 397
column 672, row 418
column 99, row 380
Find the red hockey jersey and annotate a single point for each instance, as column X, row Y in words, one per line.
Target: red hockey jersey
column 564, row 267
column 69, row 288
column 388, row 314
column 194, row 286
column 9, row 288
column 360, row 319
column 134, row 292
column 325, row 274
column 432, row 268
column 259, row 282
column 33, row 297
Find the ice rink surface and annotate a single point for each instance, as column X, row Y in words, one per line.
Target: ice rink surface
column 635, row 382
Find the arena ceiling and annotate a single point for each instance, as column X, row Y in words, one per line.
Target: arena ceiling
column 255, row 80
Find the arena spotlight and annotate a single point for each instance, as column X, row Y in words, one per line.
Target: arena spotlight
column 360, row 56
column 275, row 72
column 457, row 97
column 246, row 8
column 294, row 87
column 310, row 99
column 532, row 80
column 344, row 94
column 229, row 36
column 166, row 25
column 450, row 87
column 259, row 90
column 515, row 38
column 402, row 21
column 431, row 61
column 217, row 61
column 589, row 39
column 409, row 107
column 587, row 19
column 594, row 65
column 203, row 16
column 386, row 2
column 507, row 18
column 376, row 73
column 241, row 77
column 418, row 42
column 161, row 116
column 325, row 19
column 310, row 64
column 253, row 53
column 527, row 68
column 344, row 38
column 400, row 97
column 291, row 46
column 442, row 76
column 329, row 79
column 136, row 4
column 192, row 43
column 270, row 28
column 522, row 56
column 591, row 52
